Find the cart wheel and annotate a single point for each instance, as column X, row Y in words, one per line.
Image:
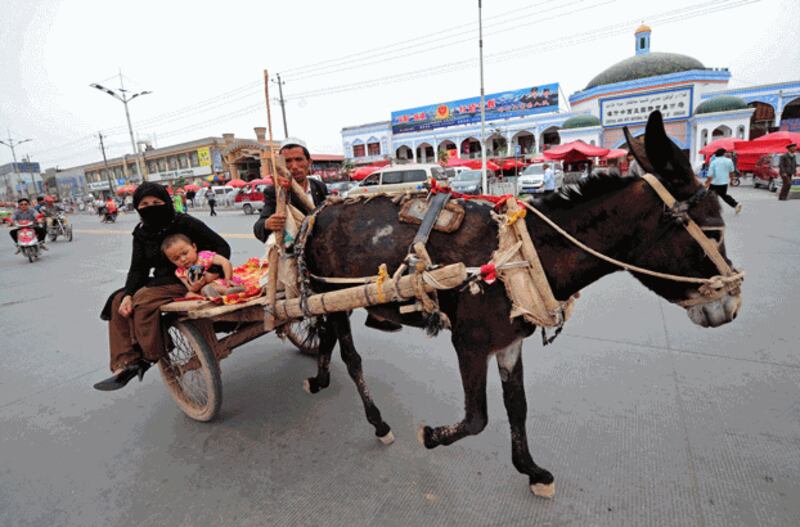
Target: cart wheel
column 191, row 372
column 300, row 334
column 53, row 235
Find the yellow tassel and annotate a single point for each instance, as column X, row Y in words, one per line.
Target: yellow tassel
column 383, row 274
column 514, row 217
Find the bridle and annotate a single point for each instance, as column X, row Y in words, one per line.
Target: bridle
column 728, row 281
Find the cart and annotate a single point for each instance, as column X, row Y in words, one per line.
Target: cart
column 190, row 366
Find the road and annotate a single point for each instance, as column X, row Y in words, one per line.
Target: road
column 644, row 418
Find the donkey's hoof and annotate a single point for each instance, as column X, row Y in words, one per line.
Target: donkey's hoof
column 424, row 436
column 544, row 490
column 388, row 439
column 421, row 434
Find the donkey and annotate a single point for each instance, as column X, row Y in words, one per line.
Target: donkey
column 621, row 217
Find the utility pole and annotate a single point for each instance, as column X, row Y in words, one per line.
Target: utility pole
column 280, row 84
column 11, row 144
column 105, row 163
column 484, row 182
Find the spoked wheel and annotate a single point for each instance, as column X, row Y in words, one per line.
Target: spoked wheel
column 53, row 235
column 191, row 371
column 301, row 335
column 29, row 254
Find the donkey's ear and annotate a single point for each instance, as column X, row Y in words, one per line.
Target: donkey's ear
column 669, row 162
column 636, row 148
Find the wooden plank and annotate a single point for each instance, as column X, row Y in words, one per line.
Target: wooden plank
column 448, row 277
column 210, row 312
column 185, row 305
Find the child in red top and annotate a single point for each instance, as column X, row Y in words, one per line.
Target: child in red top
column 196, row 270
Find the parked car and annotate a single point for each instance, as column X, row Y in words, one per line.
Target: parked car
column 469, row 181
column 219, row 191
column 250, row 199
column 453, row 172
column 339, row 187
column 400, row 178
column 532, row 179
column 765, row 173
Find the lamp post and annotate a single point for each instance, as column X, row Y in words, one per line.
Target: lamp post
column 121, row 94
column 12, row 144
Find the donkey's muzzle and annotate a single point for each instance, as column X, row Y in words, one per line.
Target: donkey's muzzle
column 716, row 313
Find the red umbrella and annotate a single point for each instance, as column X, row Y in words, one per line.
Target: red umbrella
column 263, row 181
column 126, row 189
column 191, row 186
column 475, row 164
column 615, row 153
column 575, row 151
column 748, row 152
column 362, row 172
column 511, row 164
column 456, row 162
column 237, row 183
column 789, row 137
column 726, row 142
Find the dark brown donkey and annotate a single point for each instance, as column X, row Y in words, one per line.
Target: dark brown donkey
column 620, row 217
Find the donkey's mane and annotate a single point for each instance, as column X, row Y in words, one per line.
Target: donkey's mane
column 592, row 187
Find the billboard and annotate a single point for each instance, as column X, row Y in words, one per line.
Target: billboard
column 635, row 109
column 514, row 103
column 204, row 156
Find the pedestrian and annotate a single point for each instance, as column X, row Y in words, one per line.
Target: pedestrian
column 190, row 194
column 788, row 170
column 634, row 170
column 135, row 333
column 719, row 176
column 212, row 202
column 177, row 201
column 549, row 184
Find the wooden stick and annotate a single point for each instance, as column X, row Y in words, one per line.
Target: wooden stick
column 280, row 200
column 449, row 276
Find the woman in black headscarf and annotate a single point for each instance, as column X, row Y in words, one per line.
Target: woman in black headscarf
column 134, row 331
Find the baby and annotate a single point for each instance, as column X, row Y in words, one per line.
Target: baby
column 197, row 270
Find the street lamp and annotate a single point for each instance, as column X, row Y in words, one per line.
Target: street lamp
column 11, row 144
column 121, row 94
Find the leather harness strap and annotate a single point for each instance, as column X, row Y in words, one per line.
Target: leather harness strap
column 437, row 203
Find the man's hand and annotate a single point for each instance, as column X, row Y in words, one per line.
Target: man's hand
column 707, row 182
column 284, row 181
column 126, row 306
column 276, row 222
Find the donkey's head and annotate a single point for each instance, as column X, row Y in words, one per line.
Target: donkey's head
column 666, row 245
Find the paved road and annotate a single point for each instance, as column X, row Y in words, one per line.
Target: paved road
column 644, row 418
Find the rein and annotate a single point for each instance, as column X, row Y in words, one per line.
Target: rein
column 711, row 288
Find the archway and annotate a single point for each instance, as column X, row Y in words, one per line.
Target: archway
column 550, row 137
column 425, row 153
column 404, row 153
column 526, row 142
column 497, row 146
column 740, row 131
column 720, row 132
column 790, row 116
column 703, row 138
column 762, row 120
column 447, row 147
column 470, row 148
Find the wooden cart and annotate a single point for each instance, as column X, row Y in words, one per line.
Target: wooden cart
column 199, row 334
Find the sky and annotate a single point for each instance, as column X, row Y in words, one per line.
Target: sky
column 344, row 63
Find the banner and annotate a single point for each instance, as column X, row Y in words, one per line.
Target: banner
column 204, row 156
column 502, row 105
column 635, row 109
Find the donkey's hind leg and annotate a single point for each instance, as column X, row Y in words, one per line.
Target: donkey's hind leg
column 509, row 361
column 327, row 341
column 352, row 359
column 473, row 378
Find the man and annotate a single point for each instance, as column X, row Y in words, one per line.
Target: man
column 549, row 180
column 788, row 170
column 212, row 202
column 298, row 162
column 634, row 170
column 25, row 212
column 719, row 175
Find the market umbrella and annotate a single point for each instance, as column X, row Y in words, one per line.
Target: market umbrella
column 575, row 151
column 749, row 152
column 788, row 137
column 237, row 183
column 126, row 189
column 475, row 164
column 191, row 186
column 511, row 164
column 261, row 181
column 362, row 172
column 726, row 142
column 615, row 153
column 456, row 162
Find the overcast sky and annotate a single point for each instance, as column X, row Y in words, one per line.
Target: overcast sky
column 344, row 63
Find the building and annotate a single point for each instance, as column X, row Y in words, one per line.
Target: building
column 20, row 179
column 697, row 105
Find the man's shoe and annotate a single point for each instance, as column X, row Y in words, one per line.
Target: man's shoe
column 738, row 208
column 43, row 247
column 382, row 325
column 18, row 250
column 119, row 380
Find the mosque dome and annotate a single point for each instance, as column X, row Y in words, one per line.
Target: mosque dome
column 644, row 28
column 580, row 121
column 645, row 65
column 721, row 103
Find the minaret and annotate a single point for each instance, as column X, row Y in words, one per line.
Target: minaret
column 642, row 39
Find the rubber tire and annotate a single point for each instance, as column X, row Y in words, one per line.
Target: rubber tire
column 248, row 209
column 69, row 233
column 772, row 187
column 297, row 333
column 211, row 372
column 736, row 181
column 53, row 236
column 29, row 253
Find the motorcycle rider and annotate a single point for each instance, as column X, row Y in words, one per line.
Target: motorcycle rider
column 111, row 210
column 25, row 212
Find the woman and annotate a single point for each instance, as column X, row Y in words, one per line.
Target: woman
column 134, row 330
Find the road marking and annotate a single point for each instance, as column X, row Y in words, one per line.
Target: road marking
column 127, row 233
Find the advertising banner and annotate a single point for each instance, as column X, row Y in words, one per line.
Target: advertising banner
column 204, row 156
column 634, row 109
column 514, row 103
column 176, row 174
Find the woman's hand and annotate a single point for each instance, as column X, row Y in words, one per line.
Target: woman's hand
column 126, row 306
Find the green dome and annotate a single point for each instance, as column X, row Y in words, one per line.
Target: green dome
column 721, row 103
column 580, row 121
column 645, row 65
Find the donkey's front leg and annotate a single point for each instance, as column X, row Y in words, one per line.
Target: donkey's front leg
column 509, row 361
column 473, row 367
column 327, row 341
column 352, row 359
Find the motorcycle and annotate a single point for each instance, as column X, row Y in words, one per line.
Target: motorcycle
column 107, row 217
column 27, row 241
column 59, row 227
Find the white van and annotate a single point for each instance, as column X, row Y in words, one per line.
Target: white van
column 398, row 179
column 219, row 192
